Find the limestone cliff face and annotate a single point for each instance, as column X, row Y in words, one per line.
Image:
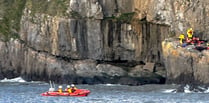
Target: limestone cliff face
column 92, row 32
column 83, row 40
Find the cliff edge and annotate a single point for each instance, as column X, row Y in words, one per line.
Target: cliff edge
column 185, row 65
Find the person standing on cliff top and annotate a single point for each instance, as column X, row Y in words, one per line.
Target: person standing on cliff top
column 190, row 33
column 181, row 38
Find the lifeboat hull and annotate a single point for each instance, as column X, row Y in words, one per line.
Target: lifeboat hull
column 77, row 93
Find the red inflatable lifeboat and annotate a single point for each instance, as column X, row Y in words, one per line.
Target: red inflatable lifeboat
column 77, row 93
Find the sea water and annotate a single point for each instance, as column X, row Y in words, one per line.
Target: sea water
column 19, row 91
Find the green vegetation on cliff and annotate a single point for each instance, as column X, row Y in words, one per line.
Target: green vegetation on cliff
column 10, row 17
column 50, row 7
column 11, row 13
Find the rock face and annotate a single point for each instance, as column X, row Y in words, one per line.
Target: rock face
column 179, row 14
column 37, row 65
column 93, row 41
column 185, row 65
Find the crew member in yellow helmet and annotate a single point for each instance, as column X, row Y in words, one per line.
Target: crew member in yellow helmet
column 190, row 33
column 60, row 89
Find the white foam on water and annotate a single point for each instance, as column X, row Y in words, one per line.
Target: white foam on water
column 196, row 90
column 169, row 91
column 18, row 79
column 207, row 90
column 110, row 84
column 186, row 89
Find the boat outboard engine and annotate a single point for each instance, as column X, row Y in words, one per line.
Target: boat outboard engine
column 51, row 89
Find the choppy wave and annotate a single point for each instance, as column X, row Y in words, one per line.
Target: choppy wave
column 18, row 79
column 112, row 84
column 196, row 89
column 30, row 93
column 188, row 89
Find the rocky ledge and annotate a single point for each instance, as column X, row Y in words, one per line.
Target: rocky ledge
column 185, row 65
column 17, row 59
